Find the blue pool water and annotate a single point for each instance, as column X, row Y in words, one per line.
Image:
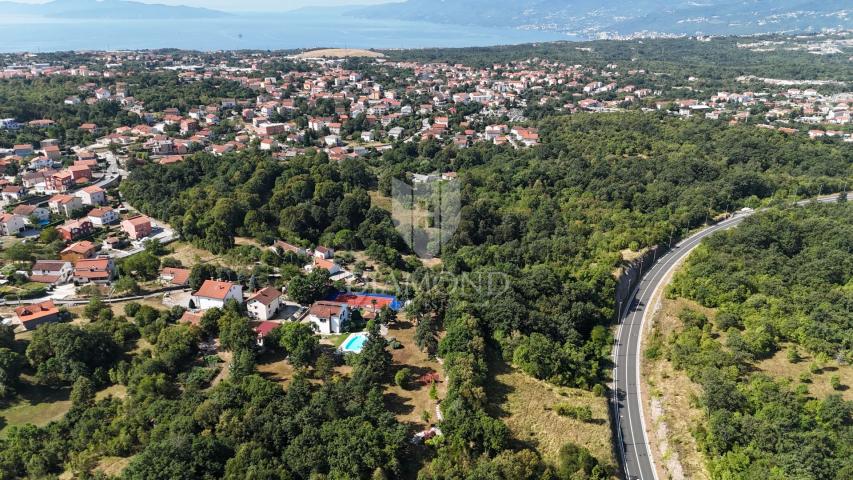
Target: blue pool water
column 355, row 343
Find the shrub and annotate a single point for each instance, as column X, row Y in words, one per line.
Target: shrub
column 402, row 377
column 582, row 412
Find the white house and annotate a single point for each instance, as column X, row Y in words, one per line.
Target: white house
column 92, row 195
column 11, row 224
column 214, row 294
column 329, row 317
column 52, row 272
column 103, row 216
column 321, row 263
column 31, row 211
column 64, row 204
column 264, row 304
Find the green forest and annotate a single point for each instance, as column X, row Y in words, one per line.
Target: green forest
column 553, row 219
column 781, row 278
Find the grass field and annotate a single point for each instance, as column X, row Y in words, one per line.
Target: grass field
column 409, row 404
column 35, row 404
column 527, row 406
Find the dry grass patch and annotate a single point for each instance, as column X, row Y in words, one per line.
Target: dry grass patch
column 409, row 404
column 379, row 200
column 116, row 391
column 189, row 255
column 527, row 406
column 778, row 366
column 112, row 466
column 675, row 413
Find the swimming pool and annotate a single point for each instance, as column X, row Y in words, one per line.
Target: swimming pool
column 354, row 343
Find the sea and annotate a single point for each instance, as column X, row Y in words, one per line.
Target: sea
column 279, row 31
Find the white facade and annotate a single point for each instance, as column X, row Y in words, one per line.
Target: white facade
column 259, row 311
column 11, row 224
column 329, row 320
column 204, row 301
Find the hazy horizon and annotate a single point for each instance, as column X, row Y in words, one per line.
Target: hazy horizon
column 248, row 5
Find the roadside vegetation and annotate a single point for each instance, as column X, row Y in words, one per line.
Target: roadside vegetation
column 766, row 348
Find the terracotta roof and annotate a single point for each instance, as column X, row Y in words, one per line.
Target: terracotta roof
column 37, row 311
column 44, row 278
column 324, row 264
column 324, row 309
column 179, row 276
column 24, row 210
column 99, row 212
column 80, row 247
column 264, row 328
column 214, row 289
column 139, row 221
column 49, row 265
column 191, row 318
column 266, row 296
column 93, row 268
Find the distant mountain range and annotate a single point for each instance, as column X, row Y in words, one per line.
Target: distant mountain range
column 626, row 17
column 106, row 9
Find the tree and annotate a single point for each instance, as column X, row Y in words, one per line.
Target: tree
column 49, row 235
column 299, row 342
column 310, row 288
column 143, row 265
column 61, row 352
column 575, row 462
column 10, row 370
column 426, row 334
column 96, row 309
column 199, row 273
column 403, row 377
column 127, row 285
column 235, row 332
column 373, row 364
column 82, row 392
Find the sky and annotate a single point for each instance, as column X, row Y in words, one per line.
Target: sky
column 252, row 5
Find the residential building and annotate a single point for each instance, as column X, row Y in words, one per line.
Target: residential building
column 175, row 277
column 94, row 270
column 329, row 317
column 38, row 314
column 102, row 216
column 78, row 251
column 321, row 263
column 31, row 212
column 92, row 195
column 11, row 224
column 264, row 304
column 137, row 227
column 64, row 204
column 214, row 294
column 74, row 229
column 51, row 272
column 13, row 193
column 281, row 248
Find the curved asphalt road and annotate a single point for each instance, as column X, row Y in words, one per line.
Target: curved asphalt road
column 632, row 439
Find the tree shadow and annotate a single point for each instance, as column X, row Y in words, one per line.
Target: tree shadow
column 496, row 391
column 401, row 325
column 398, row 405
